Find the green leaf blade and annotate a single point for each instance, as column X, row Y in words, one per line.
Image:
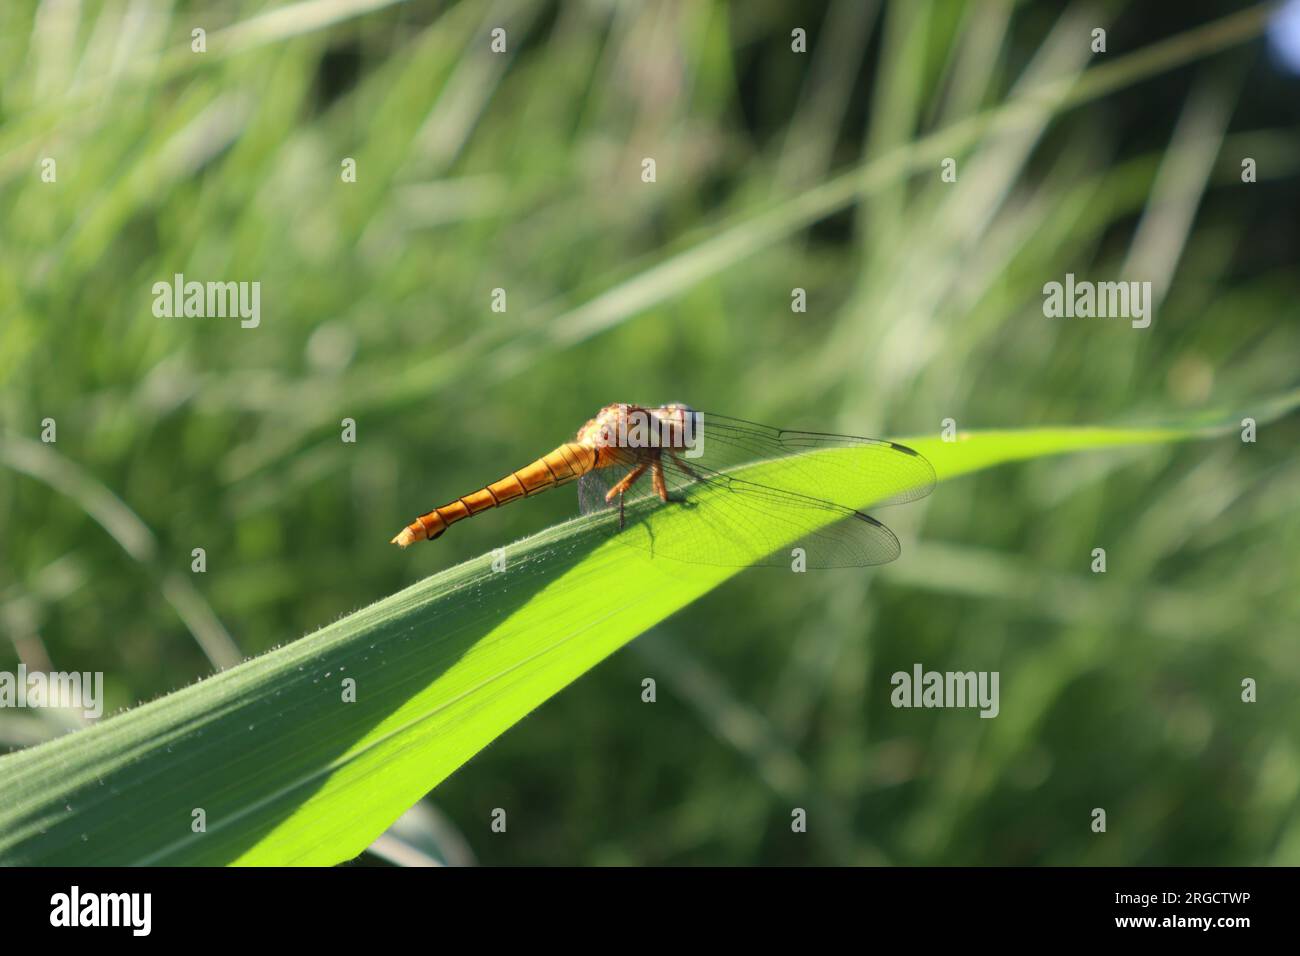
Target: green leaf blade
column 287, row 773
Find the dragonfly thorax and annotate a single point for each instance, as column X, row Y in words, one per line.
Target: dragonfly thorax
column 635, row 426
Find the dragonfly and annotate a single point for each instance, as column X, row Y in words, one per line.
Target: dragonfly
column 806, row 489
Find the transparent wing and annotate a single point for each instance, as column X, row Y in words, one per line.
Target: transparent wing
column 805, row 479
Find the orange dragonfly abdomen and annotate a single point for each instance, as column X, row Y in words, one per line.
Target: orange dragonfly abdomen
column 566, row 463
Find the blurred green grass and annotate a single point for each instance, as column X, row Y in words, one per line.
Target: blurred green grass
column 522, row 172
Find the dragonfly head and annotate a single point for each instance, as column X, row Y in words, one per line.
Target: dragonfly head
column 679, row 426
column 674, row 412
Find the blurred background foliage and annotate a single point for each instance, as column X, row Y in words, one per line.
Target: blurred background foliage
column 775, row 170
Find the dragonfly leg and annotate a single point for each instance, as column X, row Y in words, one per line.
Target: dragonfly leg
column 685, row 467
column 657, row 478
column 626, row 482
